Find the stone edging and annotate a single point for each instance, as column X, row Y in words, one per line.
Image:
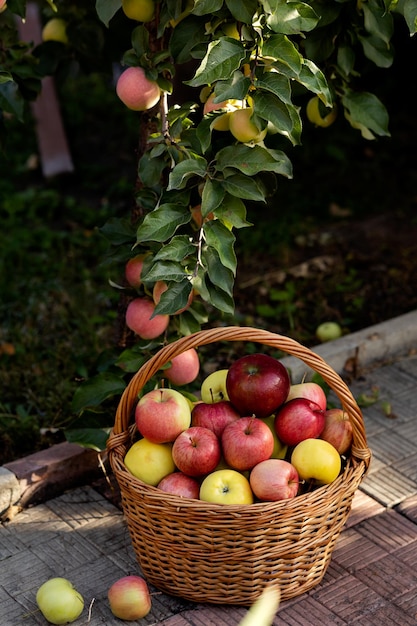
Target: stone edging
column 45, row 474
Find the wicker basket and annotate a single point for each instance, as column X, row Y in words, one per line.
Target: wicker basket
column 227, row 553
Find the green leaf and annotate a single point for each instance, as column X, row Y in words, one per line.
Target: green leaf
column 376, row 51
column 213, row 194
column 131, row 359
column 118, row 231
column 313, row 79
column 162, row 222
column 106, row 9
column 94, row 438
column 241, row 186
column 150, row 170
column 206, row 7
column 182, row 46
column 277, row 84
column 140, row 41
column 163, row 270
column 285, row 118
column 177, row 249
column 217, row 297
column 367, row 110
column 185, row 170
column 95, row 390
column 377, row 21
column 346, row 59
column 219, row 237
column 236, row 88
column 290, row 18
column 409, row 10
column 11, row 100
column 242, row 11
column 232, row 212
column 175, row 298
column 223, row 57
column 252, row 160
column 280, row 48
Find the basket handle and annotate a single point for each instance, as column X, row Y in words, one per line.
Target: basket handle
column 292, row 347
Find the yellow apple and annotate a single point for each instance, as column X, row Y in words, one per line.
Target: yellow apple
column 213, row 387
column 150, row 462
column 243, row 128
column 315, row 116
column 280, row 449
column 55, row 30
column 139, row 10
column 316, row 460
column 264, row 609
column 226, row 486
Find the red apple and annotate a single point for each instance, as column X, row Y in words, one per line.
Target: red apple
column 257, row 384
column 246, row 442
column 311, row 391
column 179, row 484
column 184, row 368
column 129, row 598
column 214, row 416
column 133, row 270
column 162, row 414
column 141, row 319
column 274, row 479
column 297, row 420
column 196, row 451
column 337, row 430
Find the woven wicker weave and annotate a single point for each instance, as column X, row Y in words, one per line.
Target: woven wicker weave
column 227, row 553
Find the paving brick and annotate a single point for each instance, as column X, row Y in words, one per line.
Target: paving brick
column 353, row 551
column 390, row 530
column 363, row 506
column 349, row 598
column 306, row 613
column 389, row 576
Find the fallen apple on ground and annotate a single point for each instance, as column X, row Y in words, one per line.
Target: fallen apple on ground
column 257, row 384
column 129, row 598
column 328, row 331
column 59, row 602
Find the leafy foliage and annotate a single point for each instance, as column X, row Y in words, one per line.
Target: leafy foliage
column 195, row 177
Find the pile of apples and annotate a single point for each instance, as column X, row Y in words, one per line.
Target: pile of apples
column 253, row 436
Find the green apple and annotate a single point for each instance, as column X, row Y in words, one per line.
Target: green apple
column 59, row 602
column 213, row 387
column 226, row 486
column 280, row 449
column 327, row 331
column 316, row 460
column 150, row 462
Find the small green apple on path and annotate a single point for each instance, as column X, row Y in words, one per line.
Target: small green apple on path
column 59, row 602
column 328, row 331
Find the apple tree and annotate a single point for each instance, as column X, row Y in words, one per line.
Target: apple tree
column 237, row 81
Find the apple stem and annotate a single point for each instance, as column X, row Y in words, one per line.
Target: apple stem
column 90, row 610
